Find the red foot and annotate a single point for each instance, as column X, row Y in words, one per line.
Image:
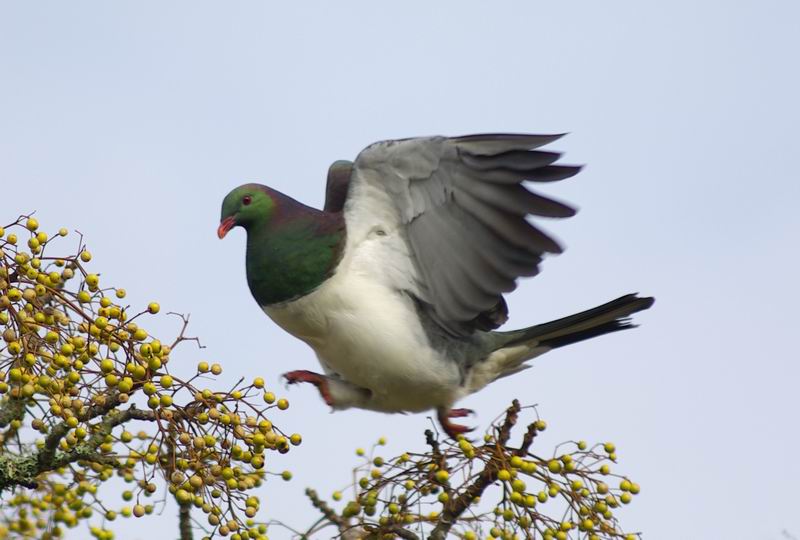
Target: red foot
column 453, row 430
column 320, row 381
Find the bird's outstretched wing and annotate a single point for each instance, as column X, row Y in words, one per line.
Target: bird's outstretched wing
column 460, row 206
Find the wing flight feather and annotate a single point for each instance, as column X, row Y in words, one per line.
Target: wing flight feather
column 461, row 205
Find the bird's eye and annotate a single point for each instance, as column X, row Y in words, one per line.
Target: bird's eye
column 247, row 199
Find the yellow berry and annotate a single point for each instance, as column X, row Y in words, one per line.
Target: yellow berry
column 32, row 224
column 283, row 404
column 153, row 307
column 183, row 496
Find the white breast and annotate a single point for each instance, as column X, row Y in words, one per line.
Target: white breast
column 368, row 332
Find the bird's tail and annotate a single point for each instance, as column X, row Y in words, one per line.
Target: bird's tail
column 609, row 317
column 518, row 346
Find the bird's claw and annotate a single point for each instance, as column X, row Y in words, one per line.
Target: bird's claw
column 454, row 431
column 304, row 376
column 301, row 375
column 460, row 413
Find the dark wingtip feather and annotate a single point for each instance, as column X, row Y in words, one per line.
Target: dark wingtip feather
column 553, row 173
column 495, row 143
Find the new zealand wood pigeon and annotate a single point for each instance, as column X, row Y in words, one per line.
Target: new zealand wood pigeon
column 397, row 284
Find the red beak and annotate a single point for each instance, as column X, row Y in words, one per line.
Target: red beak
column 227, row 224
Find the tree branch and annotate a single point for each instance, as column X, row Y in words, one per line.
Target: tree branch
column 10, row 410
column 396, row 530
column 455, row 507
column 326, row 510
column 185, row 522
column 23, row 469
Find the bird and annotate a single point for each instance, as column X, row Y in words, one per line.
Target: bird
column 398, row 282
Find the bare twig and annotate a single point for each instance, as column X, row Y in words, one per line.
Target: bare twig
column 326, row 510
column 434, row 444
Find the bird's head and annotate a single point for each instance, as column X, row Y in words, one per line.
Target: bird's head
column 245, row 206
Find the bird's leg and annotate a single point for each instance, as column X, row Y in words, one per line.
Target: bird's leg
column 320, row 381
column 453, row 430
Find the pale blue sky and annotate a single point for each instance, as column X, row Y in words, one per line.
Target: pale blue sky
column 131, row 120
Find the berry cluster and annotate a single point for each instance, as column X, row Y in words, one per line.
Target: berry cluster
column 492, row 489
column 86, row 395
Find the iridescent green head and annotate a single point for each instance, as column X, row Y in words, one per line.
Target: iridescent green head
column 245, row 206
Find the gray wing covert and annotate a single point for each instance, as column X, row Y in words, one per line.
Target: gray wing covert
column 463, row 206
